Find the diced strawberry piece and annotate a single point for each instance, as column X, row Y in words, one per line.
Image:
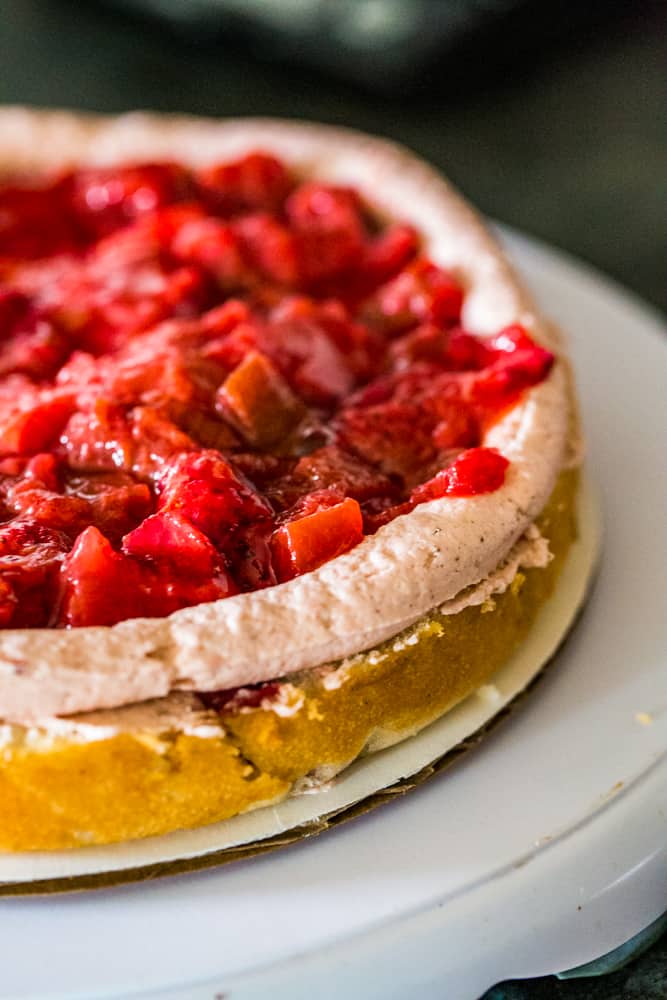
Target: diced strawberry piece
column 13, row 465
column 185, row 293
column 503, row 380
column 332, row 466
column 478, row 470
column 230, row 348
column 222, row 319
column 257, row 181
column 68, row 514
column 17, row 393
column 155, row 440
column 34, row 222
column 329, row 229
column 30, row 558
column 117, row 509
column 361, row 347
column 422, row 293
column 248, row 551
column 34, row 543
column 164, row 596
column 258, row 401
column 13, row 305
column 36, row 347
column 207, row 429
column 262, row 469
column 387, row 253
column 172, row 232
column 205, row 489
column 304, row 544
column 380, row 390
column 100, row 586
column 42, row 469
column 308, row 359
column 269, row 247
column 379, row 511
column 159, row 227
column 35, row 429
column 312, row 503
column 106, row 198
column 169, row 538
column 465, row 352
column 457, row 426
column 424, row 343
column 100, row 439
column 516, row 363
column 511, row 339
column 396, row 437
column 80, row 372
column 161, row 375
column 213, row 245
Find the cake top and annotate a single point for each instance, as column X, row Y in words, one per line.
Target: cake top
column 215, row 380
column 236, row 385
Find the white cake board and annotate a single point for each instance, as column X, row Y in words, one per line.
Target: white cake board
column 544, row 848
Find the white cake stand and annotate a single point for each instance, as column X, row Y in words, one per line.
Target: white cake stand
column 541, row 850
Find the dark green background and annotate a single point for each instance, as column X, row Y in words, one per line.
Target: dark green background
column 566, row 140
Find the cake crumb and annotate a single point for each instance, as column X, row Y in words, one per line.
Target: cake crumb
column 289, row 701
column 313, row 711
column 154, row 742
column 644, row 718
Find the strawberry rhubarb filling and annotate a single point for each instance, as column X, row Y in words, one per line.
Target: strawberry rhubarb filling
column 216, row 380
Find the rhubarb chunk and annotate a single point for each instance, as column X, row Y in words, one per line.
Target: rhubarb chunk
column 304, row 544
column 258, row 401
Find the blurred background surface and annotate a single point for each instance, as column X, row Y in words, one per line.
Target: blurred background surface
column 550, row 117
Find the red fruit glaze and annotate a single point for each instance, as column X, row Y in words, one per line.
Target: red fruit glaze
column 478, row 470
column 93, row 572
column 171, row 539
column 212, row 381
column 235, row 700
column 33, row 430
